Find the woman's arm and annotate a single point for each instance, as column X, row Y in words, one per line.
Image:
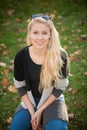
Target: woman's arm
column 37, row 116
column 49, row 101
column 28, row 104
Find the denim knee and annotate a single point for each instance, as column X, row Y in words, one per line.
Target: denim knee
column 21, row 120
column 56, row 125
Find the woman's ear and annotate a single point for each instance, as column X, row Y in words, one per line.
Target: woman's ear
column 49, row 37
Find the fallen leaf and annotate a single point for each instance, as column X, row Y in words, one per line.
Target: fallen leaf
column 75, row 103
column 3, row 45
column 70, row 89
column 4, row 53
column 4, row 90
column 15, row 99
column 65, row 47
column 85, row 73
column 9, row 120
column 71, row 57
column 6, row 71
column 81, row 23
column 12, row 61
column 22, row 30
column 5, row 82
column 84, row 61
column 52, row 15
column 10, row 12
column 70, row 42
column 7, row 23
column 83, row 36
column 65, row 38
column 77, row 59
column 71, row 115
column 20, row 39
column 11, row 68
column 18, row 20
column 75, row 23
column 60, row 17
column 83, row 84
column 78, row 30
column 12, row 89
column 77, row 52
column 59, row 23
column 2, row 64
column 83, row 103
column 74, row 91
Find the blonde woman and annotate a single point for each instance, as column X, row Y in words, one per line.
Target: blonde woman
column 40, row 76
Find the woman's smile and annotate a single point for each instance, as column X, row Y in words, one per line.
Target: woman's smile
column 39, row 35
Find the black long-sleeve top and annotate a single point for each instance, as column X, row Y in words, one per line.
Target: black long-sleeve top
column 27, row 73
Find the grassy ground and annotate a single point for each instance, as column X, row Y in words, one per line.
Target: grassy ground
column 70, row 18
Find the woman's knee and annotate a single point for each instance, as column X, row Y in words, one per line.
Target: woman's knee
column 56, row 125
column 21, row 120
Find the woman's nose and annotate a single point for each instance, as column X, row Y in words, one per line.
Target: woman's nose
column 40, row 36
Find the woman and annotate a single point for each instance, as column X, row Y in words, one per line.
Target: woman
column 40, row 76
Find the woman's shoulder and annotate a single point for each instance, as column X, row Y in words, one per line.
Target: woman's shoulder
column 22, row 51
column 65, row 67
column 20, row 54
column 64, row 54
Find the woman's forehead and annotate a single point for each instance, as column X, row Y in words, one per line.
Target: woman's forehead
column 40, row 26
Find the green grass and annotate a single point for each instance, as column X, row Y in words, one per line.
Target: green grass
column 71, row 22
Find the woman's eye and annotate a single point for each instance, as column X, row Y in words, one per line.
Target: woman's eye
column 35, row 32
column 45, row 33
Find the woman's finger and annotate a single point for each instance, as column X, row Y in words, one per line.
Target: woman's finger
column 34, row 124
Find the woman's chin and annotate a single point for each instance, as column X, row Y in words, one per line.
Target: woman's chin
column 40, row 46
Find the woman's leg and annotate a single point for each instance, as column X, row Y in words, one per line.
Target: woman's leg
column 21, row 120
column 56, row 125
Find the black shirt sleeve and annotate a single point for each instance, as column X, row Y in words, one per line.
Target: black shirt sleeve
column 64, row 73
column 65, row 67
column 18, row 68
column 57, row 92
column 19, row 74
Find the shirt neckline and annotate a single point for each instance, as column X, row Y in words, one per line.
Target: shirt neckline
column 28, row 52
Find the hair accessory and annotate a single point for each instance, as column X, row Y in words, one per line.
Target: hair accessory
column 46, row 17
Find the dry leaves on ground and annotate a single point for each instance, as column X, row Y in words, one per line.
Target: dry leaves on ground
column 12, row 89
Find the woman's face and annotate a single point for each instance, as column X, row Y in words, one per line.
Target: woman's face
column 40, row 35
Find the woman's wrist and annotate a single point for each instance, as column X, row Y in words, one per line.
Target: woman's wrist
column 41, row 109
column 32, row 113
column 31, row 109
column 49, row 101
column 28, row 103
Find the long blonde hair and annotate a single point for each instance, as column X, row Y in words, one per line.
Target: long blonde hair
column 51, row 68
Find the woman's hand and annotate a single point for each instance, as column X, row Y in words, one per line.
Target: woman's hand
column 35, row 121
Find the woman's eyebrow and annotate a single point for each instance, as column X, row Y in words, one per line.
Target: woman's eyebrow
column 42, row 30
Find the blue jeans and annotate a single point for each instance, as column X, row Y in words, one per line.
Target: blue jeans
column 22, row 118
column 56, row 125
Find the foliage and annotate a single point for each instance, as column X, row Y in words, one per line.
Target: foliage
column 70, row 19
